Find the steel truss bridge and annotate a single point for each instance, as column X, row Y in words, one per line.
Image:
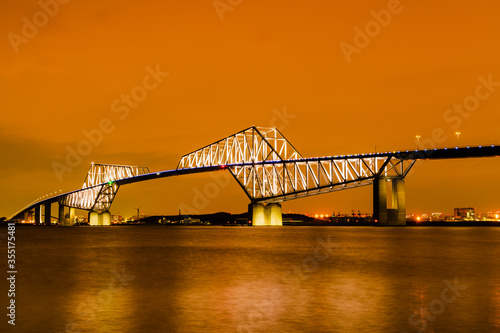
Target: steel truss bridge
column 268, row 168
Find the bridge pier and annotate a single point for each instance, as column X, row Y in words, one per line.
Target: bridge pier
column 62, row 218
column 47, row 214
column 71, row 216
column 256, row 213
column 93, row 218
column 396, row 215
column 100, row 219
column 38, row 215
column 63, row 221
column 105, row 218
column 273, row 214
column 269, row 214
column 399, row 200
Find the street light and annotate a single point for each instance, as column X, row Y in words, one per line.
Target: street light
column 458, row 138
column 418, row 141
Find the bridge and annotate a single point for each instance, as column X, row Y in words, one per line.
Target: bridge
column 269, row 170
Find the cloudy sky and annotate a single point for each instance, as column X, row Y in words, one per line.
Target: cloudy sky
column 159, row 79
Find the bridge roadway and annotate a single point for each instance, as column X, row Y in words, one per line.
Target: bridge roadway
column 425, row 154
column 124, row 181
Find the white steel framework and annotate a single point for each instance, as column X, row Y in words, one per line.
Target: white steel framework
column 254, row 144
column 99, row 188
column 292, row 179
column 270, row 169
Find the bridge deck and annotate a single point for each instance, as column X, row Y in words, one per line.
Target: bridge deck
column 426, row 154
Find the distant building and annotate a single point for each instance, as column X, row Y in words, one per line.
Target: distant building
column 468, row 213
column 493, row 216
column 437, row 216
column 117, row 219
column 189, row 220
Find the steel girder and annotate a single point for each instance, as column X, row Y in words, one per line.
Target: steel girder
column 292, row 179
column 270, row 169
column 99, row 188
column 254, row 144
column 103, row 173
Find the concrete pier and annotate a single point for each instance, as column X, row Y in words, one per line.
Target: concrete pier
column 269, row 214
column 66, row 219
column 379, row 200
column 105, row 218
column 256, row 213
column 38, row 215
column 47, row 214
column 71, row 220
column 99, row 219
column 93, row 218
column 62, row 218
column 396, row 215
column 273, row 214
column 399, row 200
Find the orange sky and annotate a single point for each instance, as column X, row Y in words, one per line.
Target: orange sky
column 225, row 75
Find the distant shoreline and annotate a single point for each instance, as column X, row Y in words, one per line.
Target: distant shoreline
column 453, row 224
column 320, row 223
column 289, row 219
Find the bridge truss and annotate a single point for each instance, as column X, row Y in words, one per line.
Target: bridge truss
column 254, row 144
column 270, row 169
column 99, row 188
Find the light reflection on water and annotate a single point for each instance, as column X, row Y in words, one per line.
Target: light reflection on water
column 255, row 279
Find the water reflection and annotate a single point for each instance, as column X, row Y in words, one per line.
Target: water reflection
column 215, row 279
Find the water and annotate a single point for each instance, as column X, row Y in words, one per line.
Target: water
column 257, row 279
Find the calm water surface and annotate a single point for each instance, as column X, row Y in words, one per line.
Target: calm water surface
column 257, row 279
